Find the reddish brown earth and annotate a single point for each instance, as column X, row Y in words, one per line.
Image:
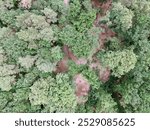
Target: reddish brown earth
column 82, row 85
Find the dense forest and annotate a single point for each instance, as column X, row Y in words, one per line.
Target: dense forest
column 75, row 56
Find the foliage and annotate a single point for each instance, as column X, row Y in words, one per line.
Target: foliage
column 50, row 93
column 120, row 62
column 76, row 57
column 121, row 16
